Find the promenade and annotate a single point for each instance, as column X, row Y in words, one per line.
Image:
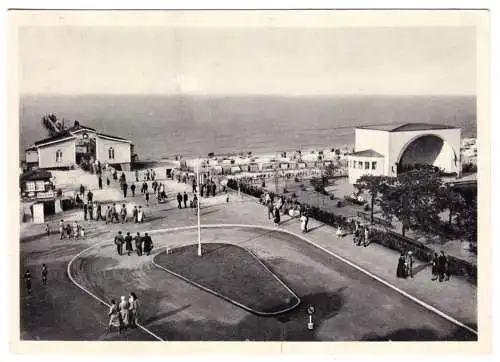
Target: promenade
column 62, row 311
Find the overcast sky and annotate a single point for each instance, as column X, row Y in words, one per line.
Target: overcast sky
column 241, row 61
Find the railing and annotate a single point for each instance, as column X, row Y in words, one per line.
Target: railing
column 376, row 220
column 385, row 238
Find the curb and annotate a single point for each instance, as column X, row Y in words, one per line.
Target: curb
column 364, row 271
column 251, row 310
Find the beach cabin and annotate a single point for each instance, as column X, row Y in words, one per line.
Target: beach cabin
column 253, row 167
column 301, row 165
column 226, row 169
column 235, row 169
column 217, row 170
column 284, row 165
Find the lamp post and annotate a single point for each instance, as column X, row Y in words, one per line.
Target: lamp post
column 198, row 204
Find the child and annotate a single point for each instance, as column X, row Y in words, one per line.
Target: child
column 82, row 233
column 45, row 272
column 47, row 229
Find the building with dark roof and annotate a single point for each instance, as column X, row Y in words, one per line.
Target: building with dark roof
column 79, row 145
column 389, row 149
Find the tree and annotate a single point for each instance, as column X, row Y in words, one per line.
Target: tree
column 415, row 199
column 374, row 185
column 467, row 221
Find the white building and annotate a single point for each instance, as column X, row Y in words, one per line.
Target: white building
column 392, row 148
column 79, row 144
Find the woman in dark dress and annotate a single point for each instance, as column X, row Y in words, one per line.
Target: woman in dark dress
column 277, row 217
column 400, row 272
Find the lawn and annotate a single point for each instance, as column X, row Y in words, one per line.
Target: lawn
column 233, row 273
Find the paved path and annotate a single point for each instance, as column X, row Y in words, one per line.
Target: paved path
column 175, row 310
column 48, row 312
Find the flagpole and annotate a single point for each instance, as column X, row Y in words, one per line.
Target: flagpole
column 198, row 204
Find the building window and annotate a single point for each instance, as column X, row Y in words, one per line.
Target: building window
column 360, row 165
column 367, row 165
column 30, row 186
column 111, row 153
column 58, row 156
column 40, row 185
column 374, row 165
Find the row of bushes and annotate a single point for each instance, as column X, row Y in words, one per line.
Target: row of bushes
column 385, row 238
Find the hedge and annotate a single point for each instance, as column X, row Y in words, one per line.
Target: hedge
column 385, row 238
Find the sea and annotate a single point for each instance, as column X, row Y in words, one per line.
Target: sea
column 162, row 127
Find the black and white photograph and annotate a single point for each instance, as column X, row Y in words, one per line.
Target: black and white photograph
column 250, row 176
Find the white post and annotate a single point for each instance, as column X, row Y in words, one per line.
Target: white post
column 198, row 204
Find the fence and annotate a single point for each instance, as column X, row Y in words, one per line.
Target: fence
column 385, row 238
column 376, row 220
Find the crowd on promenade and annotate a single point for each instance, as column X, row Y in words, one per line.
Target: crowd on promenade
column 143, row 244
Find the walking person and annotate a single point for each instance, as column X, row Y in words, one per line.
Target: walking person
column 409, row 264
column 135, row 214
column 128, row 243
column 114, row 317
column 195, row 204
column 134, row 309
column 27, row 281
column 99, row 181
column 179, row 200
column 303, row 223
column 367, row 237
column 47, row 229
column 75, row 230
column 90, row 196
column 147, row 198
column 82, row 190
column 124, row 307
column 441, row 266
column 447, row 271
column 400, row 271
column 148, row 244
column 138, row 244
column 136, row 176
column 116, row 212
column 45, row 273
column 125, row 188
column 85, row 210
column 270, row 211
column 132, row 189
column 185, row 196
column 107, row 181
column 109, row 215
column 119, row 243
column 434, row 267
column 98, row 211
column 61, row 229
column 214, row 189
column 91, row 211
column 123, row 213
column 277, row 217
column 140, row 215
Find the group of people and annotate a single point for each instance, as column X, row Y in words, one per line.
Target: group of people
column 28, row 278
column 124, row 314
column 143, row 244
column 405, row 265
column 361, row 235
column 440, row 267
column 74, row 231
column 184, row 198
